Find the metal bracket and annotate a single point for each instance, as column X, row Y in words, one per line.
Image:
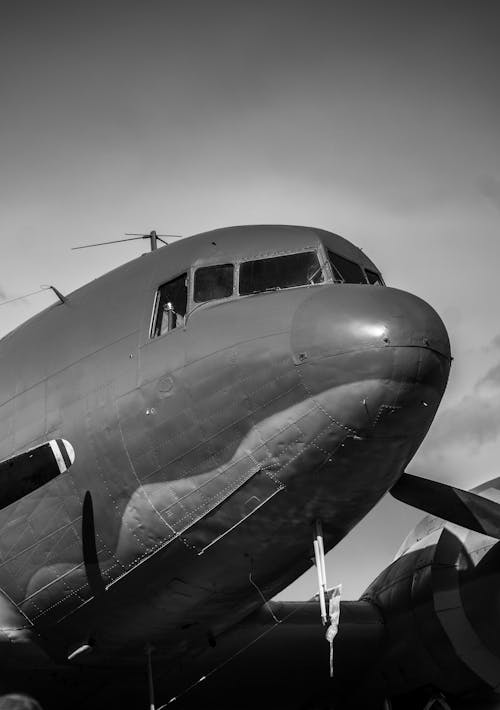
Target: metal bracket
column 319, row 557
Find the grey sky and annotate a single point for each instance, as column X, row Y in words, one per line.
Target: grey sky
column 378, row 120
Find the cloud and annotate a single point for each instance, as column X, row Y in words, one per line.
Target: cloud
column 489, row 188
column 492, row 377
column 475, row 420
column 466, row 427
column 495, row 343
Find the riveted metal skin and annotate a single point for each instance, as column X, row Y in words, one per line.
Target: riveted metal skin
column 208, row 451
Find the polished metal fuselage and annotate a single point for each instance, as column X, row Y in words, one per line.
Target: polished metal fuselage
column 207, row 452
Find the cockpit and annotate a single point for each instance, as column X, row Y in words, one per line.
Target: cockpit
column 246, row 277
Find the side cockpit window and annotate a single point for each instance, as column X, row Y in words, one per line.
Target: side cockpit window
column 280, row 272
column 170, row 306
column 211, row 282
column 373, row 277
column 345, row 269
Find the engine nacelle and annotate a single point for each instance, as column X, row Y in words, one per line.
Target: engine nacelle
column 440, row 601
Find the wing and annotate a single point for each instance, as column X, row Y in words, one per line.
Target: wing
column 278, row 657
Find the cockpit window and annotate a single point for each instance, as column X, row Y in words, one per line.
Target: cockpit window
column 211, row 282
column 347, row 270
column 170, row 306
column 373, row 277
column 280, row 272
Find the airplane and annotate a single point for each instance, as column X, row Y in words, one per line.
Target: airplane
column 225, row 406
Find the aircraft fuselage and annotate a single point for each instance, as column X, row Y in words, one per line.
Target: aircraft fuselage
column 203, row 451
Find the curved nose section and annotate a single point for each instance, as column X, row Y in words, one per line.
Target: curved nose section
column 345, row 318
column 376, row 359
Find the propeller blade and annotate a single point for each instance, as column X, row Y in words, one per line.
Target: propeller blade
column 455, row 505
column 89, row 545
column 33, row 468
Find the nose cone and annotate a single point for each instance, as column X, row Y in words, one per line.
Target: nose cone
column 345, row 318
column 376, row 359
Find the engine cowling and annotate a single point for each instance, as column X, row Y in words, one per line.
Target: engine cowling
column 440, row 602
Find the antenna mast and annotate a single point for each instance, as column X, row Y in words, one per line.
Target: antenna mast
column 153, row 237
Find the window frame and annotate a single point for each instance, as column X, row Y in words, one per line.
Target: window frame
column 192, row 304
column 196, row 304
column 346, row 258
column 156, row 303
column 317, row 249
column 377, row 273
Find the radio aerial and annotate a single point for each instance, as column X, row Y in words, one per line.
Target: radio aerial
column 153, row 237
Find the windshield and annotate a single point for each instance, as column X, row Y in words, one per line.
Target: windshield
column 373, row 278
column 280, row 272
column 211, row 282
column 346, row 270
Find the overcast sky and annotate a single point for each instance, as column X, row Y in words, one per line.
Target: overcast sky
column 377, row 120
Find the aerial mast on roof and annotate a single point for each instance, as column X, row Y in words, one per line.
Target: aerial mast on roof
column 153, row 237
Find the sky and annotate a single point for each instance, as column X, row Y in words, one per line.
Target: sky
column 376, row 120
